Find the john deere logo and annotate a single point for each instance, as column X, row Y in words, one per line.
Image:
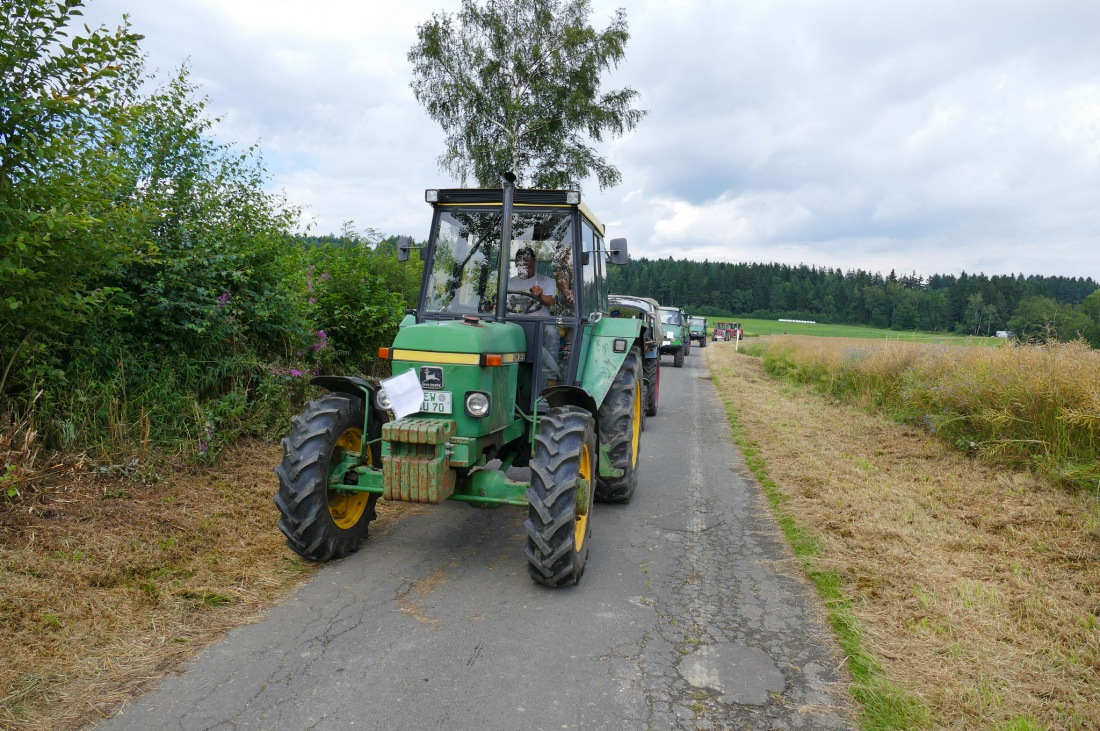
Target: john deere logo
column 431, row 377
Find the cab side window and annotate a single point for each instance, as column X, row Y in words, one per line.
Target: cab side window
column 593, row 295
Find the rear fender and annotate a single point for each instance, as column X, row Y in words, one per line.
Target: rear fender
column 608, row 345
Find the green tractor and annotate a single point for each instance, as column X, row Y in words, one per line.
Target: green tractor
column 698, row 329
column 508, row 360
column 677, row 337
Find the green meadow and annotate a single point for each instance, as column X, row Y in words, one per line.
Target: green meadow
column 757, row 328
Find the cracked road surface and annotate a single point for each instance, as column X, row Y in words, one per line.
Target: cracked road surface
column 691, row 615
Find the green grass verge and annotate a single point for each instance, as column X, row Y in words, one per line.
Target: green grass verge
column 755, row 328
column 883, row 705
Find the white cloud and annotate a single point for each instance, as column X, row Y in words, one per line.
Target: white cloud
column 919, row 135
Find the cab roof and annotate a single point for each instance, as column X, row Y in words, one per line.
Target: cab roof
column 524, row 197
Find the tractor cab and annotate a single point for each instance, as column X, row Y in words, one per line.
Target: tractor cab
column 539, row 276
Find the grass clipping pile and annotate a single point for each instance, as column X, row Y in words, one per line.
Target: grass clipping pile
column 108, row 583
column 977, row 588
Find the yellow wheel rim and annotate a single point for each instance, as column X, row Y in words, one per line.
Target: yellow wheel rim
column 580, row 527
column 346, row 508
column 637, row 426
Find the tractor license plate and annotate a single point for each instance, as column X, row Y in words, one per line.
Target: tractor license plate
column 436, row 402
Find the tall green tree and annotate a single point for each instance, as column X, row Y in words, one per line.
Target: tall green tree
column 58, row 115
column 515, row 84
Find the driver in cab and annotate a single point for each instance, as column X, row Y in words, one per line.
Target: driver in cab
column 528, row 287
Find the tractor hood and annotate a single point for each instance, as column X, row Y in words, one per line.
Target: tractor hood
column 457, row 336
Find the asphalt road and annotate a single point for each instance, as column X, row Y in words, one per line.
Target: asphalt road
column 690, row 615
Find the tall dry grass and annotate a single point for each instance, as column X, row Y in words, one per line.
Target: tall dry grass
column 1032, row 406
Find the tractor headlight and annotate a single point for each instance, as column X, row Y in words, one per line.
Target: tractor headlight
column 477, row 404
column 382, row 400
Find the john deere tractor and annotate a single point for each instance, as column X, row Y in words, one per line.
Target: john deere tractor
column 677, row 337
column 508, row 360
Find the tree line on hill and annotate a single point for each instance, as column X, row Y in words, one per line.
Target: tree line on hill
column 1032, row 307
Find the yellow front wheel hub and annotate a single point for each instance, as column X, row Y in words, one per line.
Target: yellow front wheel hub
column 346, row 508
column 636, row 437
column 584, row 499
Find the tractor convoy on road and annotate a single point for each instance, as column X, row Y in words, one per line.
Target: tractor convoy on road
column 515, row 356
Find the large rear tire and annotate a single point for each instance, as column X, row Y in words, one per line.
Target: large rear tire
column 559, row 501
column 651, row 372
column 620, row 428
column 321, row 522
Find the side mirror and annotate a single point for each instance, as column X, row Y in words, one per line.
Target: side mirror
column 404, row 243
column 618, row 251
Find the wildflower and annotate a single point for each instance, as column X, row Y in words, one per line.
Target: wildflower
column 202, row 447
column 326, row 276
column 312, row 300
column 295, row 372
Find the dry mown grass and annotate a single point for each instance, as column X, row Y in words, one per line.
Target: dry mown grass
column 107, row 583
column 977, row 587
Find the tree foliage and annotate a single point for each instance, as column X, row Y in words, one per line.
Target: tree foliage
column 151, row 289
column 515, row 84
column 58, row 120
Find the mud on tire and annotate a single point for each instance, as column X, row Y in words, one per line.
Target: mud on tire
column 322, row 524
column 620, row 426
column 559, row 500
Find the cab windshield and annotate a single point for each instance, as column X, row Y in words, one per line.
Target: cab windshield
column 466, row 261
column 670, row 317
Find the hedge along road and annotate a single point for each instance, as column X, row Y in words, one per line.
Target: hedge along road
column 690, row 615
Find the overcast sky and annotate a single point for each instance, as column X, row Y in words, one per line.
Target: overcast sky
column 933, row 136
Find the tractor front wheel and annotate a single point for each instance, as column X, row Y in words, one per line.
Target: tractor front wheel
column 678, row 358
column 321, row 521
column 559, row 501
column 620, row 429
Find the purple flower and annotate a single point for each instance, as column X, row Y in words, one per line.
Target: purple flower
column 326, row 276
column 202, row 447
column 295, row 372
column 312, row 300
column 223, row 298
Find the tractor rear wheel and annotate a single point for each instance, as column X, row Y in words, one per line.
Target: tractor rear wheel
column 320, row 521
column 559, row 501
column 651, row 372
column 620, row 428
